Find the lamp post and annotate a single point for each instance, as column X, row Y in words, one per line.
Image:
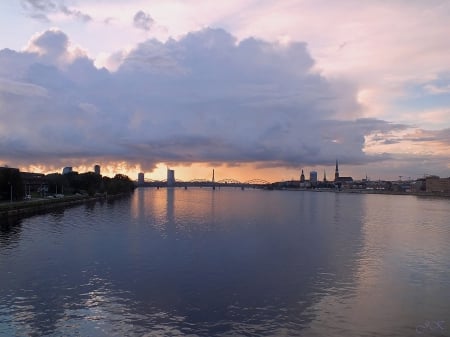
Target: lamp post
column 11, row 189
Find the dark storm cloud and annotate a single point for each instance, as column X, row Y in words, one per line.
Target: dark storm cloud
column 204, row 98
column 143, row 21
column 40, row 9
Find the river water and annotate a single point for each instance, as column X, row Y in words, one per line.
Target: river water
column 230, row 262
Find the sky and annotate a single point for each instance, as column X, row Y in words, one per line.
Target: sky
column 256, row 89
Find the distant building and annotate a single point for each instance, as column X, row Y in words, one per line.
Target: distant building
column 339, row 179
column 33, row 182
column 170, row 177
column 67, row 170
column 97, row 169
column 345, row 180
column 418, row 186
column 313, row 178
column 141, row 179
column 302, row 177
column 437, row 185
column 336, row 172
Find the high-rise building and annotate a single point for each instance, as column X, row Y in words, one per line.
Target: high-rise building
column 67, row 170
column 170, row 177
column 97, row 169
column 302, row 177
column 313, row 178
column 141, row 178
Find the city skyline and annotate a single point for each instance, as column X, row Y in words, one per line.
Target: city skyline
column 253, row 89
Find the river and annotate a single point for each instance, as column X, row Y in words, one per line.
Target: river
column 229, row 262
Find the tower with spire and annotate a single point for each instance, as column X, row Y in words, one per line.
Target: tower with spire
column 302, row 177
column 336, row 173
column 324, row 176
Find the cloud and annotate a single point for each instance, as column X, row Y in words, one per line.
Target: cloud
column 436, row 90
column 52, row 43
column 51, row 47
column 441, row 136
column 203, row 98
column 143, row 21
column 75, row 13
column 41, row 9
column 21, row 89
column 440, row 85
column 39, row 5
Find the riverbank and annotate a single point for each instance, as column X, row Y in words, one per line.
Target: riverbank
column 417, row 194
column 29, row 207
column 383, row 192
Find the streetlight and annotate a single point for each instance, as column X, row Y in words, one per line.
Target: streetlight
column 10, row 184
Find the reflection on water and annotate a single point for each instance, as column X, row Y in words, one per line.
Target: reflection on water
column 10, row 230
column 402, row 271
column 228, row 262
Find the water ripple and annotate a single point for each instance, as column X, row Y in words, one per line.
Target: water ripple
column 227, row 263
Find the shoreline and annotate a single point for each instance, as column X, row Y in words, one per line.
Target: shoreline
column 380, row 192
column 30, row 207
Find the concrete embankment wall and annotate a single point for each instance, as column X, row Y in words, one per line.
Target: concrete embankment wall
column 29, row 207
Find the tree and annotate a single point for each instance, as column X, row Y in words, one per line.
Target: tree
column 119, row 184
column 11, row 180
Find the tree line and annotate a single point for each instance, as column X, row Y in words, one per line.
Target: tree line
column 20, row 184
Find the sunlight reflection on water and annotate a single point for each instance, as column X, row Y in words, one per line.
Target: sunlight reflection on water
column 228, row 262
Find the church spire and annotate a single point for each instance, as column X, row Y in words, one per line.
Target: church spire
column 336, row 173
